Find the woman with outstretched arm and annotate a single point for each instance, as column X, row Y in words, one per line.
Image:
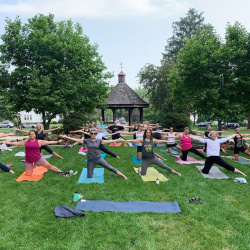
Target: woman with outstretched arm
column 2, row 166
column 213, row 153
column 40, row 135
column 148, row 155
column 93, row 155
column 33, row 156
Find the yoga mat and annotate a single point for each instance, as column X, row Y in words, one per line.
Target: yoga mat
column 113, row 144
column 201, row 150
column 8, row 165
column 152, row 175
column 160, row 145
column 241, row 159
column 98, row 176
column 173, row 152
column 135, row 160
column 36, row 175
column 102, row 155
column 190, row 160
column 82, row 150
column 129, row 207
column 20, row 154
column 214, row 173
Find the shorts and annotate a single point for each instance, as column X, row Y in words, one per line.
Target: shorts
column 139, row 149
column 238, row 150
column 32, row 165
column 171, row 145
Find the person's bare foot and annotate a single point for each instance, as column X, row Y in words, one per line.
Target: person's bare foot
column 238, row 171
column 201, row 168
column 12, row 172
column 118, row 157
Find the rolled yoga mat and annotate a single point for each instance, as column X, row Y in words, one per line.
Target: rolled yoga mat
column 152, row 175
column 173, row 152
column 98, row 176
column 214, row 173
column 129, row 207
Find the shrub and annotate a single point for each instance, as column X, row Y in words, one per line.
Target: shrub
column 72, row 121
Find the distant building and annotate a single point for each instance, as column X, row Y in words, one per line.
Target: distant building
column 32, row 117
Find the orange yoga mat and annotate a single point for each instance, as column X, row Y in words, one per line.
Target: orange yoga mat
column 36, row 175
column 114, row 144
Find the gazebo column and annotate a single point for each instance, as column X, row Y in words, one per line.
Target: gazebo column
column 141, row 115
column 130, row 111
column 103, row 118
column 114, row 111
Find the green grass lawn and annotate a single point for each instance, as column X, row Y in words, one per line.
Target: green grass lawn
column 27, row 220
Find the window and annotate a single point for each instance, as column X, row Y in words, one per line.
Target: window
column 25, row 117
column 30, row 117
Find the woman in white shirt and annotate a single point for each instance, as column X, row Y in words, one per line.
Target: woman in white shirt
column 213, row 152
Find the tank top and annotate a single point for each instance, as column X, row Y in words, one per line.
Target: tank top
column 185, row 143
column 32, row 151
column 135, row 129
column 238, row 141
column 40, row 136
column 147, row 149
column 139, row 136
column 170, row 138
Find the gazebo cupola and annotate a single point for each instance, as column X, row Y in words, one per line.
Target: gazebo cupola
column 121, row 77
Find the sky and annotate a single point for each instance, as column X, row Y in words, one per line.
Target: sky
column 131, row 32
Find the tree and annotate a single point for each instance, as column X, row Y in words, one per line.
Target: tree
column 184, row 29
column 201, row 80
column 50, row 67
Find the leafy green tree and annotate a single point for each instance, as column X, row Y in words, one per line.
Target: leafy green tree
column 184, row 29
column 50, row 67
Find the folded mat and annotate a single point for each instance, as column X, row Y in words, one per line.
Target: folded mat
column 129, row 207
column 46, row 156
column 214, row 173
column 98, row 176
column 20, row 154
column 135, row 160
column 36, row 175
column 151, row 175
column 160, row 145
column 114, row 144
column 66, row 212
column 173, row 152
column 83, row 150
column 190, row 160
column 241, row 159
column 102, row 155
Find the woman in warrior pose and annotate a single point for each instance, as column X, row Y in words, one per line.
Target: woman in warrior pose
column 40, row 135
column 93, row 156
column 148, row 155
column 2, row 166
column 170, row 136
column 186, row 145
column 213, row 152
column 99, row 136
column 33, row 155
column 239, row 147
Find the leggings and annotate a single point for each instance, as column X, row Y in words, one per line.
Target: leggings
column 215, row 159
column 46, row 148
column 91, row 165
column 105, row 150
column 152, row 160
column 193, row 150
column 4, row 167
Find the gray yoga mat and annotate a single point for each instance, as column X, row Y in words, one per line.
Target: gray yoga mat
column 129, row 207
column 160, row 145
column 214, row 173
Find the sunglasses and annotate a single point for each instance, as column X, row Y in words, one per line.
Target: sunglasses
column 93, row 133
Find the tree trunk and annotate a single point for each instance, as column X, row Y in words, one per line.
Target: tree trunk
column 248, row 120
column 194, row 118
column 219, row 125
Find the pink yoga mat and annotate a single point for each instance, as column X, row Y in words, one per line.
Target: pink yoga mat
column 82, row 150
column 113, row 144
column 201, row 150
column 190, row 160
column 8, row 165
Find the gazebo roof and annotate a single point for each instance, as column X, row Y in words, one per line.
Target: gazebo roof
column 122, row 96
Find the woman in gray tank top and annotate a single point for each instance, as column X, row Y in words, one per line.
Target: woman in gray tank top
column 93, row 156
column 148, row 155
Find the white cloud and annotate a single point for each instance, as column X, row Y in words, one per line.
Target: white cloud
column 97, row 8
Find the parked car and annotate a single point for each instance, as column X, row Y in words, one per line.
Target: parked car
column 231, row 125
column 122, row 120
column 6, row 124
column 203, row 124
column 27, row 125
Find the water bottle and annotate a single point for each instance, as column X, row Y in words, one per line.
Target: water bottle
column 157, row 181
column 71, row 172
column 75, row 196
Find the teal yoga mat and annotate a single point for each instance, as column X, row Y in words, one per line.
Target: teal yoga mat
column 102, row 155
column 135, row 160
column 128, row 207
column 173, row 152
column 98, row 176
column 240, row 160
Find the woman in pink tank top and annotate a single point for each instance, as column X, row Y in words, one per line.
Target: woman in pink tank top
column 186, row 145
column 33, row 156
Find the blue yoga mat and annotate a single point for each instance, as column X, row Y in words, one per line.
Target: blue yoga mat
column 98, row 176
column 102, row 155
column 173, row 152
column 135, row 160
column 129, row 207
